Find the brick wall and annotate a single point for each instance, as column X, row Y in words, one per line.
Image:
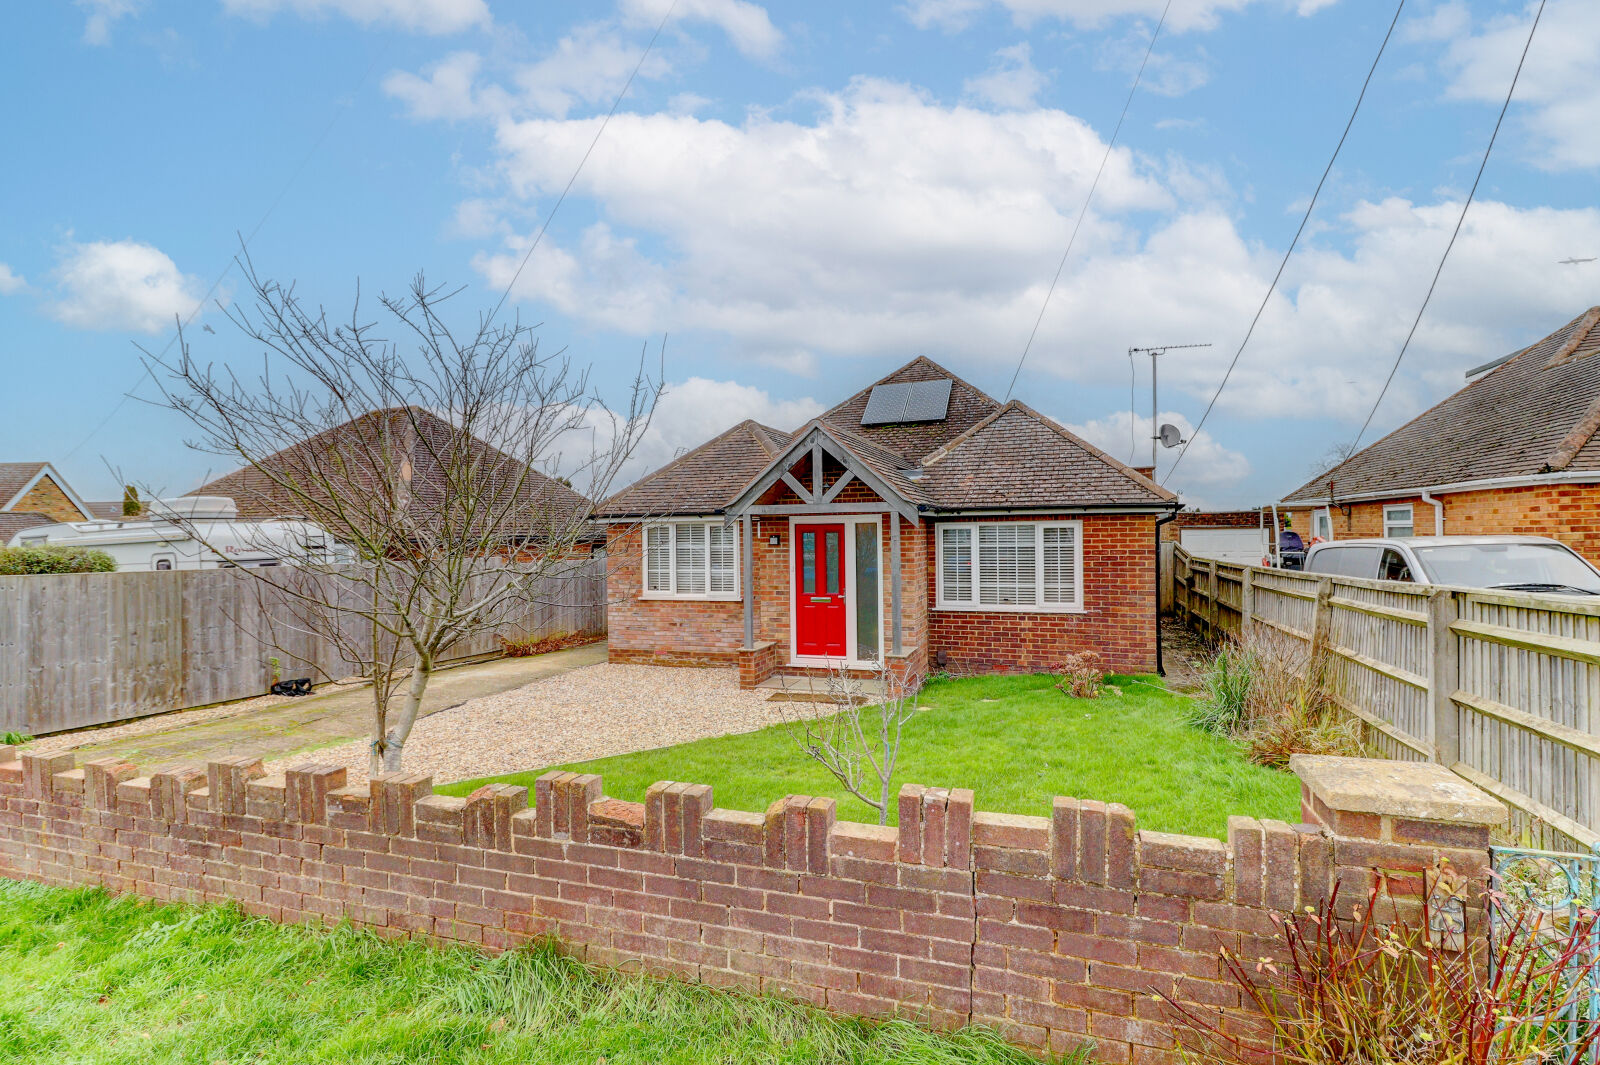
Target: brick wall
column 1217, row 519
column 1569, row 513
column 1054, row 929
column 1119, row 600
column 1118, row 621
column 48, row 499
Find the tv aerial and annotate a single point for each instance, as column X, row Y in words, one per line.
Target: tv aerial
column 1168, row 435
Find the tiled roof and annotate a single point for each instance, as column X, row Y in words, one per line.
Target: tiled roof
column 14, row 477
column 1535, row 413
column 109, row 509
column 542, row 501
column 14, row 521
column 1017, row 457
column 968, row 407
column 983, row 455
column 701, row 481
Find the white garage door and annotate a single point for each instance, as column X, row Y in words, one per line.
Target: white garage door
column 1228, row 545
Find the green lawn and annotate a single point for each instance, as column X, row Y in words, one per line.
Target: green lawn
column 1015, row 741
column 93, row 980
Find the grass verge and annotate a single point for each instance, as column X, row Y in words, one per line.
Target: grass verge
column 1016, row 741
column 96, row 980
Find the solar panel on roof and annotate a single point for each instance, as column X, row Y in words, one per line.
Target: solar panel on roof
column 912, row 401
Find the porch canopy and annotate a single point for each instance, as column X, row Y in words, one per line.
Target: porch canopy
column 876, row 468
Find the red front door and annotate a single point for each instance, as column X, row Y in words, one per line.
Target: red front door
column 819, row 613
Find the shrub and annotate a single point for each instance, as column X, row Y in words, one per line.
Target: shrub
column 527, row 646
column 1353, row 990
column 25, row 560
column 1261, row 692
column 1081, row 675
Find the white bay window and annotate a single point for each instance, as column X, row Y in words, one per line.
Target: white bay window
column 1023, row 566
column 691, row 560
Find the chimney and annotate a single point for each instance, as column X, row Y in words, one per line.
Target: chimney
column 1148, row 471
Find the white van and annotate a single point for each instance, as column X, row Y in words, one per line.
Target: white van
column 219, row 539
column 1512, row 563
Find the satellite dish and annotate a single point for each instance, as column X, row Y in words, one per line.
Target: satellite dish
column 1169, row 435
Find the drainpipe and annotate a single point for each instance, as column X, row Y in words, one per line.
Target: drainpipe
column 1438, row 511
column 1160, row 667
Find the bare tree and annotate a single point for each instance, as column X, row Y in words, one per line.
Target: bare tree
column 856, row 734
column 431, row 459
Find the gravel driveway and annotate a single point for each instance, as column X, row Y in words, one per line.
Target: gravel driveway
column 588, row 713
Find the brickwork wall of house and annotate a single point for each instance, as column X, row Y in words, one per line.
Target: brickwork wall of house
column 1053, row 929
column 1569, row 513
column 669, row 632
column 47, row 498
column 1118, row 621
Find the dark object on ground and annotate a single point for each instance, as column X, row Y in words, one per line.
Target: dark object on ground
column 558, row 641
column 298, row 686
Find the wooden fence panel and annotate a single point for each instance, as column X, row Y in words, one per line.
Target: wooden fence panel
column 95, row 648
column 1503, row 687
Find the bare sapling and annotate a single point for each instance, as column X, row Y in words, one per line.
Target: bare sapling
column 443, row 471
column 856, row 733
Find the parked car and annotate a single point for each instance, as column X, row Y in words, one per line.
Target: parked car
column 1513, row 563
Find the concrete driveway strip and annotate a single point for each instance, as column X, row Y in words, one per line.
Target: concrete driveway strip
column 320, row 720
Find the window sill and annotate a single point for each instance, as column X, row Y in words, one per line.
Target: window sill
column 671, row 598
column 984, row 608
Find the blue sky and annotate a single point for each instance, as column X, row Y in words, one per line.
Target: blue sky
column 804, row 196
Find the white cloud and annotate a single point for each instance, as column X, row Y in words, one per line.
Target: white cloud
column 951, row 15
column 1012, row 82
column 103, row 14
column 416, row 16
column 121, row 285
column 10, row 282
column 693, row 411
column 1208, row 466
column 588, row 66
column 1558, row 95
column 747, row 25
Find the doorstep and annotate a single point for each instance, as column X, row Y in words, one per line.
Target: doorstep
column 809, row 688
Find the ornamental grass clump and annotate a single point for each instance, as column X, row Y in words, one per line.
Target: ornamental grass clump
column 1263, row 692
column 1351, row 990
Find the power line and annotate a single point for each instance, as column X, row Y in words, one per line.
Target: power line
column 1071, row 240
column 1195, row 435
column 244, row 244
column 1454, row 233
column 573, row 179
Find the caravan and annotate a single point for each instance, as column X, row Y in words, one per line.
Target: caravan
column 193, row 532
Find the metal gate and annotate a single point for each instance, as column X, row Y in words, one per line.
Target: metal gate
column 1542, row 899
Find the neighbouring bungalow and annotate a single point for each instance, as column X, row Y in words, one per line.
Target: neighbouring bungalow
column 400, row 461
column 920, row 524
column 1515, row 451
column 33, row 494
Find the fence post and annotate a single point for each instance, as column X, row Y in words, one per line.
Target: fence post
column 1321, row 629
column 1214, row 613
column 1443, row 671
column 1247, row 600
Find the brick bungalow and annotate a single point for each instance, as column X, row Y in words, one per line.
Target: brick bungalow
column 33, row 494
column 920, row 523
column 1515, row 451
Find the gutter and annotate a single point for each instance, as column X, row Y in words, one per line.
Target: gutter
column 1483, row 484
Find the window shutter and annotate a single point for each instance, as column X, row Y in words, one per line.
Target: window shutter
column 1060, row 565
column 691, row 559
column 955, row 572
column 724, row 567
column 658, row 558
column 1006, row 565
